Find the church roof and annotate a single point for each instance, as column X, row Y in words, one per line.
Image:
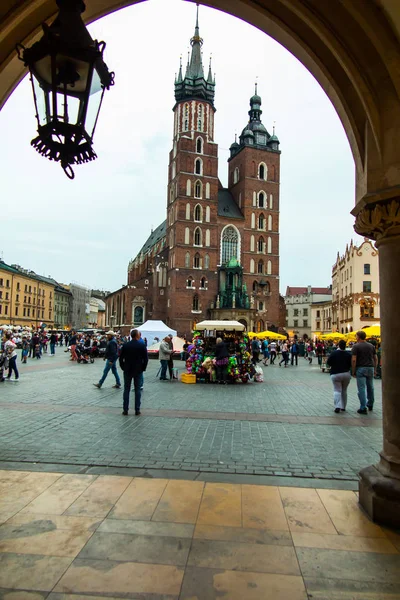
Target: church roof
column 227, row 206
column 154, row 237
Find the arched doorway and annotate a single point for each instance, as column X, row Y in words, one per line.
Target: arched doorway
column 353, row 50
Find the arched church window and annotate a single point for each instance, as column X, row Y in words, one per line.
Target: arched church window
column 260, row 244
column 198, row 189
column 171, row 194
column 198, row 166
column 229, row 244
column 188, row 211
column 203, row 283
column 207, row 214
column 252, row 243
column 253, row 220
column 206, row 261
column 262, row 171
column 236, row 175
column 197, row 236
column 261, row 200
column 269, row 222
column 187, row 235
column 195, row 304
column 269, row 246
column 261, row 222
column 260, row 267
column 189, row 282
column 199, row 145
column 208, row 189
column 186, row 118
column 269, row 268
column 197, row 261
column 198, row 213
column 252, row 265
column 188, row 187
column 187, row 260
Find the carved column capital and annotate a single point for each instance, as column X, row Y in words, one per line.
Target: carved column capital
column 380, row 220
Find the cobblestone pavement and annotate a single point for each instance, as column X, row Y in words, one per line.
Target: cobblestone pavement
column 285, row 426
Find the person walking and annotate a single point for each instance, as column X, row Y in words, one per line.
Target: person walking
column 285, row 354
column 133, row 362
column 111, row 358
column 340, row 363
column 53, row 341
column 164, row 355
column 265, row 351
column 272, row 352
column 25, row 349
column 319, row 351
column 221, row 360
column 294, row 353
column 72, row 342
column 255, row 349
column 10, row 350
column 363, row 366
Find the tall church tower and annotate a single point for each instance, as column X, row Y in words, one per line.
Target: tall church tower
column 192, row 199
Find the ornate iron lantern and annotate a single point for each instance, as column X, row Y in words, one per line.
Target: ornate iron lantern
column 68, row 77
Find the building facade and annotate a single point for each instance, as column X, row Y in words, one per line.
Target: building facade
column 355, row 288
column 217, row 253
column 299, row 302
column 25, row 298
column 321, row 318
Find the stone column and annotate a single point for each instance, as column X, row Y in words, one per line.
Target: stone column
column 379, row 485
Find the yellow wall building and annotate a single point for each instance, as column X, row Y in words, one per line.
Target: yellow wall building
column 24, row 299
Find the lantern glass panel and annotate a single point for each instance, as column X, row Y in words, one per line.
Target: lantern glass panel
column 40, row 102
column 95, row 98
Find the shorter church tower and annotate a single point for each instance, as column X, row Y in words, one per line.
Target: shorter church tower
column 254, row 172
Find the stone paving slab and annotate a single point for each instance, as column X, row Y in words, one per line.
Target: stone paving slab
column 284, row 427
column 181, row 540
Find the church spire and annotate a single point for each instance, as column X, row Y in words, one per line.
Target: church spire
column 194, row 84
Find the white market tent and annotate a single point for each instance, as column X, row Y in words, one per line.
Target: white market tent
column 155, row 329
column 220, row 326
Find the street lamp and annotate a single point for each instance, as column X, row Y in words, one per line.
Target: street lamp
column 68, row 77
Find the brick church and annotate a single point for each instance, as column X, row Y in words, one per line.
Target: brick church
column 216, row 256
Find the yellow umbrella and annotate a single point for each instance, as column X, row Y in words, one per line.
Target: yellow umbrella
column 267, row 334
column 373, row 331
column 335, row 335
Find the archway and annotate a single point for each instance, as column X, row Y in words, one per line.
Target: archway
column 353, row 51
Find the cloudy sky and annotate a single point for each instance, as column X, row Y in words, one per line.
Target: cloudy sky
column 87, row 230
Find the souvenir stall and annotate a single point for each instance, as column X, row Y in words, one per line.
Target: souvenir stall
column 200, row 363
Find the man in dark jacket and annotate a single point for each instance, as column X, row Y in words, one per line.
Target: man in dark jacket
column 133, row 361
column 111, row 358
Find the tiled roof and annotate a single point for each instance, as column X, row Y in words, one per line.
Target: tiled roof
column 294, row 291
column 227, row 206
column 154, row 237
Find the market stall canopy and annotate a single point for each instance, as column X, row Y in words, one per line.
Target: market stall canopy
column 220, row 326
column 272, row 335
column 372, row 331
column 155, row 329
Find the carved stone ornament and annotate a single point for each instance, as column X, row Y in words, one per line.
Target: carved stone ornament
column 379, row 221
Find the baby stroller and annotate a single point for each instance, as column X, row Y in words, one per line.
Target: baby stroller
column 84, row 355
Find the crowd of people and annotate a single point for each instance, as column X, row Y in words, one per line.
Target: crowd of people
column 361, row 360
